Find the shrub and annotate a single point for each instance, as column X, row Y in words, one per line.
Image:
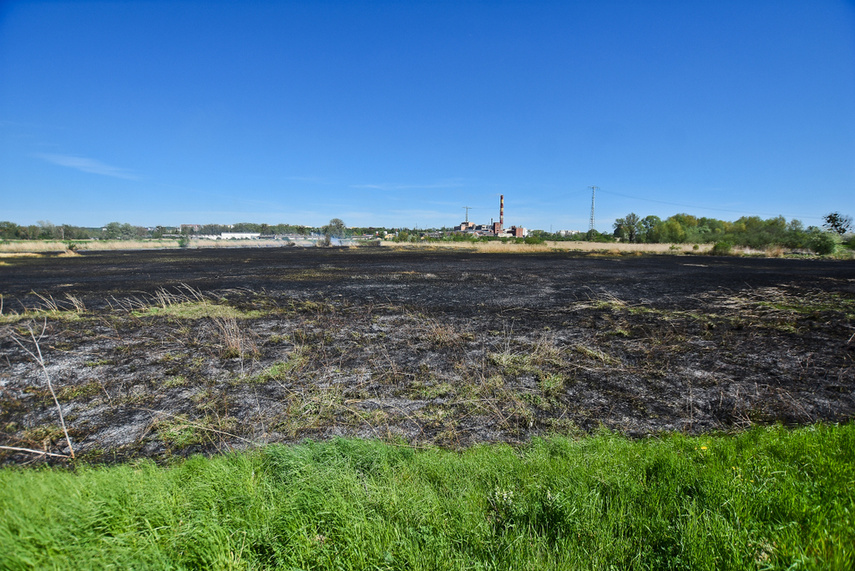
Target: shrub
column 823, row 243
column 722, row 249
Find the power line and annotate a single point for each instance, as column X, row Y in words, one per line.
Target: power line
column 704, row 207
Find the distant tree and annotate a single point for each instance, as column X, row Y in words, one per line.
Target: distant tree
column 246, row 227
column 628, row 227
column 685, row 220
column 112, row 231
column 595, row 236
column 647, row 226
column 116, row 231
column 839, row 223
column 335, row 229
column 671, row 231
column 9, row 230
column 823, row 243
column 49, row 231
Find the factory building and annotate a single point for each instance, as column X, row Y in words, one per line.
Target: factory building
column 495, row 228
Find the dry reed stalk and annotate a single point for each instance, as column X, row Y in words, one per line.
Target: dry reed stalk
column 76, row 303
column 50, row 304
column 235, row 342
column 39, row 452
column 38, row 358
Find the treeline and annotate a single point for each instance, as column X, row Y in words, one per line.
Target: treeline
column 48, row 231
column 252, row 227
column 751, row 231
column 124, row 231
column 748, row 231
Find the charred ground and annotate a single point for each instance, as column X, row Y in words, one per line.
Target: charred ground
column 176, row 352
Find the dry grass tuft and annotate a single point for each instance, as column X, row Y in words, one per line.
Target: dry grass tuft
column 604, row 248
column 774, row 252
column 234, row 341
column 622, row 248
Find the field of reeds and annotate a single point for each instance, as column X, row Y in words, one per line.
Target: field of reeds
column 46, row 246
column 550, row 246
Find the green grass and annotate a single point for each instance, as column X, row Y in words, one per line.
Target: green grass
column 197, row 310
column 766, row 499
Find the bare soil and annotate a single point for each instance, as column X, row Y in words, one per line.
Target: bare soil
column 162, row 353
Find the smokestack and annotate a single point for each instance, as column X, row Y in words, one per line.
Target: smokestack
column 501, row 211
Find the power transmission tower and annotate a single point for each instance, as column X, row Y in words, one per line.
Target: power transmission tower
column 467, row 208
column 593, row 194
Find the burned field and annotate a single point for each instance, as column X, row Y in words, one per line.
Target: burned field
column 161, row 353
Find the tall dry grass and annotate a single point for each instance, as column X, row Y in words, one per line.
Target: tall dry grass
column 45, row 246
column 550, row 246
column 627, row 247
column 32, row 246
column 50, row 246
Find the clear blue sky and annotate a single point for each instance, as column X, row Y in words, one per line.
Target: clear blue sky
column 402, row 113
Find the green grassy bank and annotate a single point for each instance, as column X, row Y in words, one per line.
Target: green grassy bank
column 765, row 499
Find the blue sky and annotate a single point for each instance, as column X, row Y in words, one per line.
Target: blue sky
column 401, row 113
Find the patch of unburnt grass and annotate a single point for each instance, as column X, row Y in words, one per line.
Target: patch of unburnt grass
column 67, row 308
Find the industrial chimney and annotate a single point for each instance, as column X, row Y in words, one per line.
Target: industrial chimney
column 501, row 210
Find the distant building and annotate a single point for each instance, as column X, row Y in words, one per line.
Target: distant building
column 494, row 228
column 240, row 235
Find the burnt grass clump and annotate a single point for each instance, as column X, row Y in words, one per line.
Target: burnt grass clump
column 170, row 353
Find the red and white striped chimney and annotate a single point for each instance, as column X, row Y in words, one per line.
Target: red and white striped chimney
column 501, row 211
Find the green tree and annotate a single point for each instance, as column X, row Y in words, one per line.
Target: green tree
column 685, row 220
column 647, row 226
column 839, row 223
column 335, row 228
column 112, row 231
column 49, row 231
column 671, row 231
column 9, row 230
column 628, row 228
column 823, row 243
